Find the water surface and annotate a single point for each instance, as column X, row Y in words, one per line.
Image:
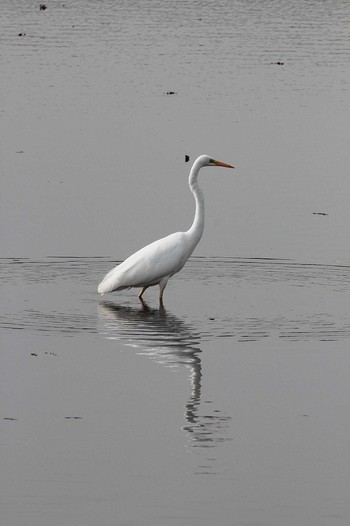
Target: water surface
column 230, row 405
column 94, row 148
column 243, row 431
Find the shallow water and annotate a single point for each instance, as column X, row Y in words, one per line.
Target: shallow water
column 97, row 429
column 229, row 406
column 94, row 148
column 250, row 290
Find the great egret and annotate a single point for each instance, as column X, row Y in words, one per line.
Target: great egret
column 155, row 263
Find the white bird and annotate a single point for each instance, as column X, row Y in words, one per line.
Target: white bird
column 155, row 263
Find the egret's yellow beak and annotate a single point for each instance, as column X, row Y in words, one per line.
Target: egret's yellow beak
column 224, row 165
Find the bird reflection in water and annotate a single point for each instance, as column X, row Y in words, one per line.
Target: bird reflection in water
column 168, row 340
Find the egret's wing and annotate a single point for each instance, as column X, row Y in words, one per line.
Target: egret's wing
column 149, row 265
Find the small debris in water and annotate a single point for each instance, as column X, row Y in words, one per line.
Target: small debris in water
column 21, row 34
column 187, row 158
column 33, row 354
column 171, row 92
column 278, row 63
column 8, row 418
column 73, row 417
column 20, row 151
column 319, row 214
column 43, row 7
column 211, row 318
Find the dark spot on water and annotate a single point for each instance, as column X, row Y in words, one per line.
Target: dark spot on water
column 211, row 318
column 21, row 34
column 187, row 158
column 11, row 419
column 33, row 354
column 73, row 417
column 278, row 63
column 43, row 7
column 319, row 214
column 20, row 151
column 171, row 92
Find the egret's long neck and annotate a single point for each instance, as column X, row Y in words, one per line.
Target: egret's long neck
column 197, row 227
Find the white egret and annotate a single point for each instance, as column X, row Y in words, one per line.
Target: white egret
column 155, row 263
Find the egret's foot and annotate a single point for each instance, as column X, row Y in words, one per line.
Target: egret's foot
column 162, row 310
column 145, row 307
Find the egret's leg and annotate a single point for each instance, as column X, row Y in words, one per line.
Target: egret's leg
column 141, row 293
column 162, row 285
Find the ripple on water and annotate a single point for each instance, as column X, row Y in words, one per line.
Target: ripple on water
column 58, row 295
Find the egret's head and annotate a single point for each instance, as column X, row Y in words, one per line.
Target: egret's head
column 205, row 160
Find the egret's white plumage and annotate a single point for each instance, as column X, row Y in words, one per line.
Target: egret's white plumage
column 155, row 263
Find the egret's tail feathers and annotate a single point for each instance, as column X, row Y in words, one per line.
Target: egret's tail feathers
column 109, row 283
column 103, row 287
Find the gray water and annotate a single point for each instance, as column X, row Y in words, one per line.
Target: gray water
column 230, row 406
